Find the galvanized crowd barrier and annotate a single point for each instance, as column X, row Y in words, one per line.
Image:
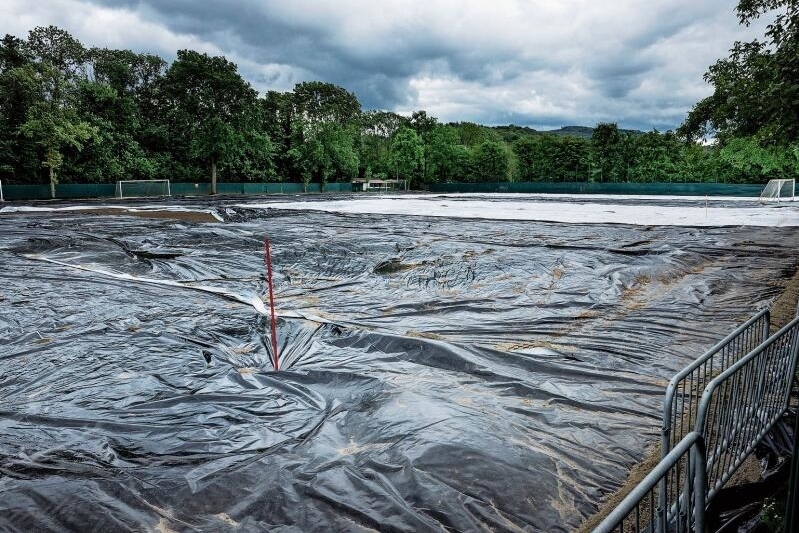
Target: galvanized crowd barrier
column 679, row 507
column 740, row 405
column 729, row 399
column 685, row 388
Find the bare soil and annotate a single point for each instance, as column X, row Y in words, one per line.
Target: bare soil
column 189, row 216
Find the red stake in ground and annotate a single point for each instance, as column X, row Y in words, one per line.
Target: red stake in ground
column 268, row 261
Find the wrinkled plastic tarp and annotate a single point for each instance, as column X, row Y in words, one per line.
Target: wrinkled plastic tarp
column 438, row 373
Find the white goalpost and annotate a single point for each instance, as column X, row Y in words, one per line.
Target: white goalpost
column 142, row 188
column 2, row 198
column 776, row 190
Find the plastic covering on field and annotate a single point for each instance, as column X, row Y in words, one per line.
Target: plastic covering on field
column 437, row 373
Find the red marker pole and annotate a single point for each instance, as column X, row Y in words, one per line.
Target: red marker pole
column 268, row 260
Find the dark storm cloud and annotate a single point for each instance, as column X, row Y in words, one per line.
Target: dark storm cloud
column 530, row 63
column 259, row 32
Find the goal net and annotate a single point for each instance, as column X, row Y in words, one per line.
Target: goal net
column 776, row 190
column 142, row 188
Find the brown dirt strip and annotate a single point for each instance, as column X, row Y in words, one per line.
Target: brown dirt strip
column 189, row 216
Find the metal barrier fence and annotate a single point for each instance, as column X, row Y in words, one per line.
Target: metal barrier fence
column 740, row 405
column 685, row 388
column 742, row 399
column 670, row 498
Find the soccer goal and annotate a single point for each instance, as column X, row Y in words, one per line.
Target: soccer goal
column 776, row 190
column 142, row 188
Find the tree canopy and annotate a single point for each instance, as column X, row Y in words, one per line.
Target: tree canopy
column 72, row 114
column 755, row 89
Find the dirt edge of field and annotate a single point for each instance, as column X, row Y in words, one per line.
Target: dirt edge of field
column 188, row 216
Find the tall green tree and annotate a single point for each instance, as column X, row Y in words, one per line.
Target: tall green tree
column 407, row 155
column 317, row 103
column 491, row 162
column 446, row 159
column 279, row 124
column 18, row 92
column 571, row 159
column 377, row 130
column 328, row 155
column 112, row 100
column 755, row 89
column 52, row 121
column 211, row 107
column 325, row 119
column 528, row 160
column 608, row 151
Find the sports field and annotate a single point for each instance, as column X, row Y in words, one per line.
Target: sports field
column 463, row 361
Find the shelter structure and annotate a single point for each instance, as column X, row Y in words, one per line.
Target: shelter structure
column 379, row 185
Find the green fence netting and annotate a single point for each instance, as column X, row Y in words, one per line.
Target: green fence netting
column 108, row 190
column 671, row 189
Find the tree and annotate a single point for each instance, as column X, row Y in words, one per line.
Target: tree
column 112, row 99
column 552, row 158
column 756, row 89
column 444, row 155
column 422, row 123
column 277, row 122
column 606, row 142
column 761, row 163
column 18, row 92
column 407, row 154
column 52, row 121
column 54, row 128
column 655, row 156
column 329, row 155
column 528, row 161
column 377, row 130
column 210, row 106
column 317, row 103
column 325, row 119
column 491, row 162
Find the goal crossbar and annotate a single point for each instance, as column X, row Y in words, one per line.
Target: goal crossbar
column 142, row 188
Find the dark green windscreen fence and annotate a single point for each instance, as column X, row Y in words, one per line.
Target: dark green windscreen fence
column 109, row 190
column 671, row 189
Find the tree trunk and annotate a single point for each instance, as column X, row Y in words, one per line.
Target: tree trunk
column 213, row 176
column 52, row 183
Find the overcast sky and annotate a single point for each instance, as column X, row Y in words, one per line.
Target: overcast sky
column 539, row 63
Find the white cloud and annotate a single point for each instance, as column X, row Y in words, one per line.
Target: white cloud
column 549, row 62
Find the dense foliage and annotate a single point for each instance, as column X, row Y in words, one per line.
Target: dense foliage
column 72, row 114
column 754, row 108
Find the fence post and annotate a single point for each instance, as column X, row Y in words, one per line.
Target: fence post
column 700, row 484
column 791, row 508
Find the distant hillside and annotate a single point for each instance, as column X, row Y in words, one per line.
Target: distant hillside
column 571, row 131
column 512, row 132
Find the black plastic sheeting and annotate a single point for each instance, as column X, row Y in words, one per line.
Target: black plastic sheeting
column 440, row 374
